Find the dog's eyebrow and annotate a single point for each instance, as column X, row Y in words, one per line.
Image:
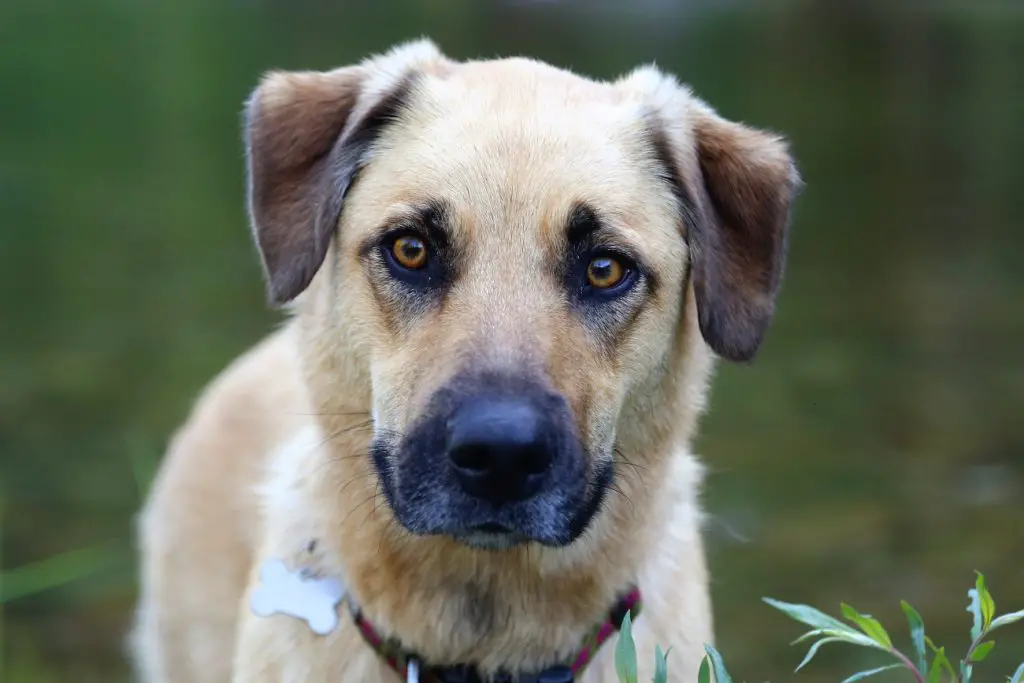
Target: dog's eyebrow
column 583, row 222
column 431, row 216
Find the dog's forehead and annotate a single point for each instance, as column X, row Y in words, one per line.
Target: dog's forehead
column 519, row 105
column 520, row 140
column 520, row 75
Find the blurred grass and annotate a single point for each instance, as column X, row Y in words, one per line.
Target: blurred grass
column 52, row 572
column 874, row 452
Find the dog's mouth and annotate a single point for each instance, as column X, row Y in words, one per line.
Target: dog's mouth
column 490, row 536
column 493, row 470
column 428, row 503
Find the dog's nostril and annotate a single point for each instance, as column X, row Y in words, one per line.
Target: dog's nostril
column 473, row 457
column 500, row 449
column 536, row 461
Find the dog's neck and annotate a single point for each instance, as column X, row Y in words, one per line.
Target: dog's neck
column 410, row 665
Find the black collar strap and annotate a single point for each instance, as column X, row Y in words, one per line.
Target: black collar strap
column 408, row 665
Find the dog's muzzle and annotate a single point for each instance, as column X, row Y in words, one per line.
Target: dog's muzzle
column 493, row 462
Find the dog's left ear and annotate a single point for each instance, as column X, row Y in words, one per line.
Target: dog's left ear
column 743, row 196
column 737, row 185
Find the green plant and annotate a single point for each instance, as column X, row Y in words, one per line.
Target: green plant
column 871, row 634
column 625, row 656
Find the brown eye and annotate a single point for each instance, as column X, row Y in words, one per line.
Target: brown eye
column 410, row 252
column 604, row 272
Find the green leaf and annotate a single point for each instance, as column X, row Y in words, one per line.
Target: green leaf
column 1018, row 676
column 813, row 633
column 721, row 675
column 824, row 624
column 625, row 653
column 814, row 650
column 704, row 674
column 871, row 672
column 974, row 608
column 988, row 605
column 988, row 609
column 1006, row 620
column 935, row 674
column 916, row 625
column 939, row 663
column 807, row 615
column 660, row 665
column 847, row 635
column 871, row 626
column 982, row 651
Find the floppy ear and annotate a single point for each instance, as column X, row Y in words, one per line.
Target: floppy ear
column 743, row 194
column 735, row 185
column 306, row 136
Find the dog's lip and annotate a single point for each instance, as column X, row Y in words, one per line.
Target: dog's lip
column 490, row 536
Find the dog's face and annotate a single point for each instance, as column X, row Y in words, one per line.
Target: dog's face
column 509, row 248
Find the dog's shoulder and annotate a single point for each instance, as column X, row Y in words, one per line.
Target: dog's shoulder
column 203, row 519
column 216, row 458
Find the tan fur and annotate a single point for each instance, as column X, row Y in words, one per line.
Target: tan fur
column 274, row 456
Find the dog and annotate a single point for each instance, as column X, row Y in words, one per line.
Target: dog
column 507, row 286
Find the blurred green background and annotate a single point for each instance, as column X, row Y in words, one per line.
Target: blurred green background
column 874, row 451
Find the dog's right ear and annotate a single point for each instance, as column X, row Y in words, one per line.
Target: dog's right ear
column 307, row 134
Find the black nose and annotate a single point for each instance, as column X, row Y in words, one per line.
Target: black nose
column 500, row 449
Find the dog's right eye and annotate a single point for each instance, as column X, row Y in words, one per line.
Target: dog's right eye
column 412, row 259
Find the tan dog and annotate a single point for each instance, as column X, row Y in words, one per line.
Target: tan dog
column 508, row 284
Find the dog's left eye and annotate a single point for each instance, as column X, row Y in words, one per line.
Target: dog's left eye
column 409, row 252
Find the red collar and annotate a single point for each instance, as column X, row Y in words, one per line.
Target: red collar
column 399, row 659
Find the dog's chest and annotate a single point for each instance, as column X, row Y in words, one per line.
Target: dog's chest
column 341, row 641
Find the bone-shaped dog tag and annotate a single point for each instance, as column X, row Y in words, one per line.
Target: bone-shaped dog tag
column 296, row 594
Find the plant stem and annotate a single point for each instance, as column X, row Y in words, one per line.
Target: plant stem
column 966, row 661
column 918, row 675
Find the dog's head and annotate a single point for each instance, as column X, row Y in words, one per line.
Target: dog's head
column 508, row 255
